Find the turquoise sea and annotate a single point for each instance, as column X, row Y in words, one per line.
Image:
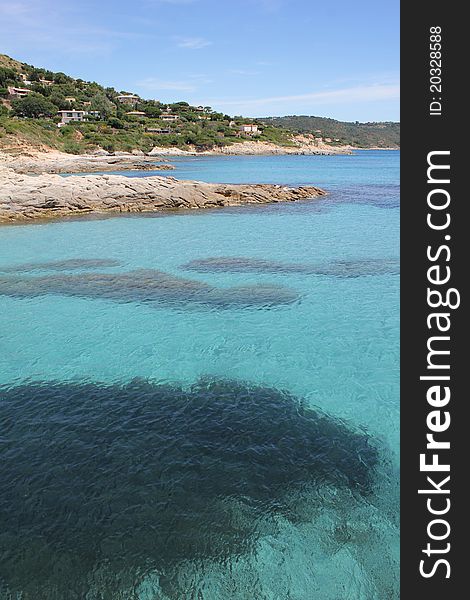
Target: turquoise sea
column 204, row 405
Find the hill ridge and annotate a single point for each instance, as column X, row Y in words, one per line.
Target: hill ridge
column 96, row 117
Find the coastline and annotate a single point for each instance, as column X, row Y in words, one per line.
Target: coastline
column 302, row 146
column 27, row 156
column 26, row 198
column 56, row 162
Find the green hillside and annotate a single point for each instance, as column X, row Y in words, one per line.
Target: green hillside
column 31, row 97
column 363, row 135
column 32, row 120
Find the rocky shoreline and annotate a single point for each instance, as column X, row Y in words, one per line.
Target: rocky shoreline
column 54, row 162
column 66, row 163
column 49, row 196
column 302, row 146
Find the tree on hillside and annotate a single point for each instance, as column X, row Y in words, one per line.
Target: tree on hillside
column 58, row 99
column 36, row 74
column 34, row 106
column 7, row 76
column 94, row 88
column 151, row 111
column 100, row 103
column 68, row 89
column 62, row 78
column 40, row 89
column 110, row 93
column 115, row 123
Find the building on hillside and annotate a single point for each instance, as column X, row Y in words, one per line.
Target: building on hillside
column 200, row 108
column 168, row 117
column 70, row 99
column 74, row 116
column 46, row 82
column 249, row 129
column 328, row 140
column 131, row 99
column 136, row 113
column 157, row 130
column 17, row 92
column 25, row 79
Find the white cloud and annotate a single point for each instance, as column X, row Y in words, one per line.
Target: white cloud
column 36, row 24
column 193, row 43
column 242, row 72
column 20, row 14
column 14, row 9
column 152, row 83
column 366, row 93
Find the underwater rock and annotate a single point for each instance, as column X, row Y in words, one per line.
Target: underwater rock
column 68, row 264
column 143, row 476
column 238, row 264
column 334, row 268
column 360, row 267
column 147, row 286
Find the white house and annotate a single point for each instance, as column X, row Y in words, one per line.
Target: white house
column 250, row 129
column 168, row 117
column 16, row 92
column 69, row 116
column 128, row 99
column 158, row 130
column 25, row 79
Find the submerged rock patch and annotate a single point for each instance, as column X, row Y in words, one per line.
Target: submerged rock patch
column 334, row 268
column 139, row 477
column 147, row 286
column 68, row 264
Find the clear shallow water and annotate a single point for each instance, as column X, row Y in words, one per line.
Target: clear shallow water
column 326, row 337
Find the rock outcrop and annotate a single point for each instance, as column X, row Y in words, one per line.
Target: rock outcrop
column 46, row 196
column 67, row 163
column 257, row 148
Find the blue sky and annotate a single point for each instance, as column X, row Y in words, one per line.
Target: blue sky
column 252, row 57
